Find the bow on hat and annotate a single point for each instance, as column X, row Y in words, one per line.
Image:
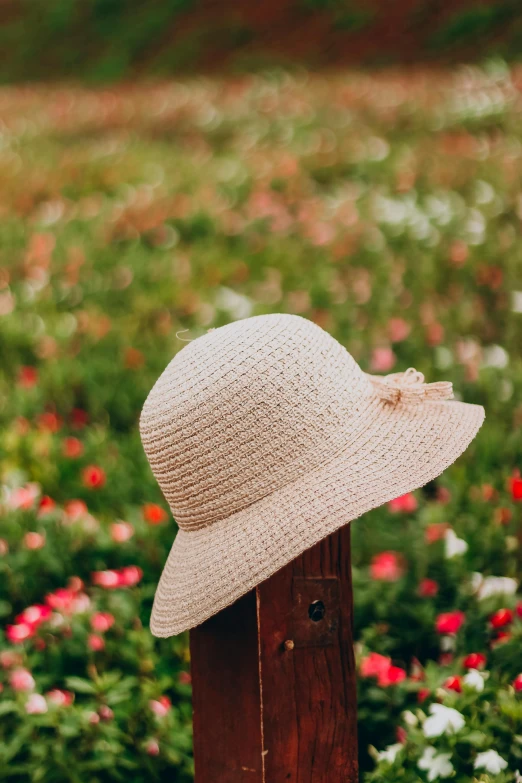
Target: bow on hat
column 409, row 387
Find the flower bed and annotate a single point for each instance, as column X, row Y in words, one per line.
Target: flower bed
column 385, row 208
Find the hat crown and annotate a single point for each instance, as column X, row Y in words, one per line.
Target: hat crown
column 246, row 409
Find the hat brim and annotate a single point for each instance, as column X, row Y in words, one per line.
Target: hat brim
column 403, row 448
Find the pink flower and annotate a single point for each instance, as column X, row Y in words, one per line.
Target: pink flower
column 130, row 576
column 161, row 706
column 23, row 497
column 101, row 622
column 405, row 503
column 75, row 510
column 34, row 615
column 19, row 632
column 60, row 698
column 382, row 360
column 121, row 532
column 60, row 600
column 81, row 603
column 152, row 747
column 21, row 680
column 95, row 642
column 449, row 622
column 34, row 540
column 185, row 678
column 9, row 658
column 93, row 717
column 35, row 704
column 4, row 547
column 428, row 588
column 386, row 567
column 105, row 712
column 398, row 329
column 108, row 579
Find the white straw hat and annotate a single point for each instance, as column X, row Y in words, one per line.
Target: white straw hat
column 265, row 436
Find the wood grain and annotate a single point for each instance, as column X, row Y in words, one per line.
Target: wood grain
column 266, row 712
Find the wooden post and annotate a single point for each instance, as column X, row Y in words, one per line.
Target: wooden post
column 274, row 689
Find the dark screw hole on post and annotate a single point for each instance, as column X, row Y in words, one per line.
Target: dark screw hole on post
column 316, row 611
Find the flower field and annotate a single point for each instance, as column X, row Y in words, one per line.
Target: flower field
column 385, row 207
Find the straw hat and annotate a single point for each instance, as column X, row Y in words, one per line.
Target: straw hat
column 265, row 436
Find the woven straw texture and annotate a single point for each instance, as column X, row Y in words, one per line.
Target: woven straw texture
column 265, row 436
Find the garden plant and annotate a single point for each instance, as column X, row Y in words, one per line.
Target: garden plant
column 385, row 207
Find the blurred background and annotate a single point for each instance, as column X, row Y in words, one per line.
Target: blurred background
column 179, row 165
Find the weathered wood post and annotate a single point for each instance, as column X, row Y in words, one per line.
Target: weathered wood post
column 274, row 691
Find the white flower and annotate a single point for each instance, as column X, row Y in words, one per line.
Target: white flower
column 475, row 680
column 437, row 765
column 490, row 761
column 409, row 718
column 488, row 586
column 237, row 305
column 495, row 356
column 35, row 704
column 453, row 545
column 442, row 720
column 389, row 754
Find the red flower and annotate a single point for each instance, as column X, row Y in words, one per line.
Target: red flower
column 381, row 667
column 501, row 618
column 435, row 532
column 517, row 682
column 72, row 448
column 401, row 735
column 475, row 661
column 405, row 503
column 46, row 506
column 428, row 588
column 502, row 638
column 93, row 477
column 453, row 684
column 386, row 567
column 154, row 514
column 27, row 377
column 185, row 678
column 449, row 622
column 423, row 694
column 516, row 488
column 49, row 422
column 79, row 418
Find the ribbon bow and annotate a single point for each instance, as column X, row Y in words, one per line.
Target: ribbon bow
column 409, row 387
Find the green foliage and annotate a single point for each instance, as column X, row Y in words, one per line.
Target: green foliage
column 386, row 209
